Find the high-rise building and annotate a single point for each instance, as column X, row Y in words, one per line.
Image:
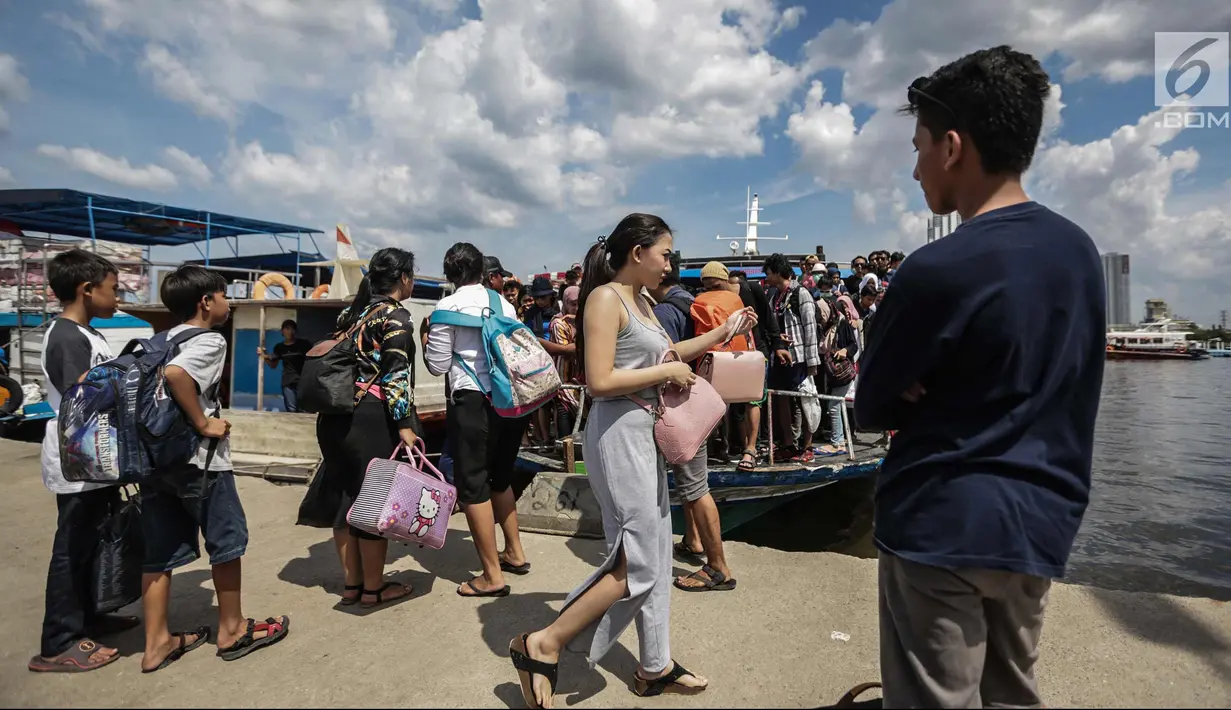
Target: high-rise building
column 942, row 225
column 1116, row 283
column 1156, row 309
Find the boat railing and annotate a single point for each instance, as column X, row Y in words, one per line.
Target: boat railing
column 566, row 442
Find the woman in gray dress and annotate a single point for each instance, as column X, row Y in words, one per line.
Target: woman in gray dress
column 620, row 344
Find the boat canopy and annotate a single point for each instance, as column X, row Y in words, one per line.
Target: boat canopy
column 115, row 219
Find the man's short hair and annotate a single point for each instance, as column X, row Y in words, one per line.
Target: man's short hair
column 183, row 289
column 70, row 269
column 780, row 265
column 897, row 256
column 288, row 323
column 673, row 278
column 994, row 96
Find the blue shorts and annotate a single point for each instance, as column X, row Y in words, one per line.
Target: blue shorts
column 174, row 516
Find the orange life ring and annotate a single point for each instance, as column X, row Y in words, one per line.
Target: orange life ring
column 273, row 279
column 320, row 291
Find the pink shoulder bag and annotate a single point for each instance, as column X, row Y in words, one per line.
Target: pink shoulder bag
column 683, row 418
column 737, row 376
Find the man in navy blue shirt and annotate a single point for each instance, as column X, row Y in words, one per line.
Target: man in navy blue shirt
column 987, row 357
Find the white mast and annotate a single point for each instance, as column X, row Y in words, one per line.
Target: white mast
column 752, row 205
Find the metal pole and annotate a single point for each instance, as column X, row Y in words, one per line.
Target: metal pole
column 89, row 210
column 846, row 429
column 207, row 230
column 260, row 366
column 298, row 253
column 769, row 408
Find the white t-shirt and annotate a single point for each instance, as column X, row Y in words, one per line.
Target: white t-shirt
column 69, row 350
column 203, row 358
column 447, row 345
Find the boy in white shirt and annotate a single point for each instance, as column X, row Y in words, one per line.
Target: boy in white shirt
column 177, row 505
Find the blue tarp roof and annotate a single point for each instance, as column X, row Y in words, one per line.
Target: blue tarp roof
column 124, row 221
column 281, row 261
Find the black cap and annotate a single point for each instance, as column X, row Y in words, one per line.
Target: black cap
column 541, row 286
column 491, row 265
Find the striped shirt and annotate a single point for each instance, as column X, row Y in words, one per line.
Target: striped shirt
column 799, row 326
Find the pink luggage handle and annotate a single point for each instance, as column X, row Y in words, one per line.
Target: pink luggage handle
column 423, row 464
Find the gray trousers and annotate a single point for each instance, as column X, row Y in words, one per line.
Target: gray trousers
column 958, row 638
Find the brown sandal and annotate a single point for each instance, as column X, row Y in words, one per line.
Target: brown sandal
column 75, row 660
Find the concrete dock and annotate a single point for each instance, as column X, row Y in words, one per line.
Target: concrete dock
column 798, row 632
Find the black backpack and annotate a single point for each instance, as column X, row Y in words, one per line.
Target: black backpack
column 330, row 370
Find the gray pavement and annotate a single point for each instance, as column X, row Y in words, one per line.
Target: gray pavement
column 770, row 643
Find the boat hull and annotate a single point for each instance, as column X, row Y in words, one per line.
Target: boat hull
column 1156, row 355
column 560, row 502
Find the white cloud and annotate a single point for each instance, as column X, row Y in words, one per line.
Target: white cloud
column 116, row 170
column 13, row 87
column 179, row 83
column 1110, row 41
column 1119, row 189
column 188, row 165
column 535, row 106
column 6, row 177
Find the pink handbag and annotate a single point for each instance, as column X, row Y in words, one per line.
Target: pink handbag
column 408, row 501
column 683, row 418
column 737, row 376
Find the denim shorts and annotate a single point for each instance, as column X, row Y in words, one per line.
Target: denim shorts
column 787, row 377
column 174, row 514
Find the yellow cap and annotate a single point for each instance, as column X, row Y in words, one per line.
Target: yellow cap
column 715, row 270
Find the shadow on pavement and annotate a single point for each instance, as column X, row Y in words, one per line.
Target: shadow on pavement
column 1160, row 620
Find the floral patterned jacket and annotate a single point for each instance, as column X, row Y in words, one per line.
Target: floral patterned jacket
column 386, row 349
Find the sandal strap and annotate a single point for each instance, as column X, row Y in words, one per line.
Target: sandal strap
column 658, row 685
column 533, row 666
column 715, row 576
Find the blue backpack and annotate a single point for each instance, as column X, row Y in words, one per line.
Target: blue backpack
column 120, row 423
column 523, row 375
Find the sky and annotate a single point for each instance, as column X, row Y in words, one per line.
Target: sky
column 531, row 128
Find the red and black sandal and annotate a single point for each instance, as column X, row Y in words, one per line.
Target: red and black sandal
column 275, row 630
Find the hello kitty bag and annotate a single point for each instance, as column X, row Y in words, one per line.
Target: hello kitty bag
column 407, row 501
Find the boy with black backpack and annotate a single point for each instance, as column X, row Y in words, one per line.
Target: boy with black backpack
column 201, row 496
column 87, row 286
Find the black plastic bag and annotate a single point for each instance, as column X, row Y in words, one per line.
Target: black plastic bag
column 116, row 572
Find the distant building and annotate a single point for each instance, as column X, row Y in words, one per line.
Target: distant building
column 1116, row 283
column 1156, row 309
column 942, row 225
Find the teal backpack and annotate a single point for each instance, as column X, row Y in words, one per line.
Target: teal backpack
column 523, row 375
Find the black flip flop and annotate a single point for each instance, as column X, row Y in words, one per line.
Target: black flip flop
column 506, row 566
column 75, row 660
column 502, row 592
column 202, row 634
column 681, row 551
column 712, row 581
column 650, row 688
column 277, row 630
column 528, row 667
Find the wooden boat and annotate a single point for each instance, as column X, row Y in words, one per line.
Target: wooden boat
column 558, row 499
